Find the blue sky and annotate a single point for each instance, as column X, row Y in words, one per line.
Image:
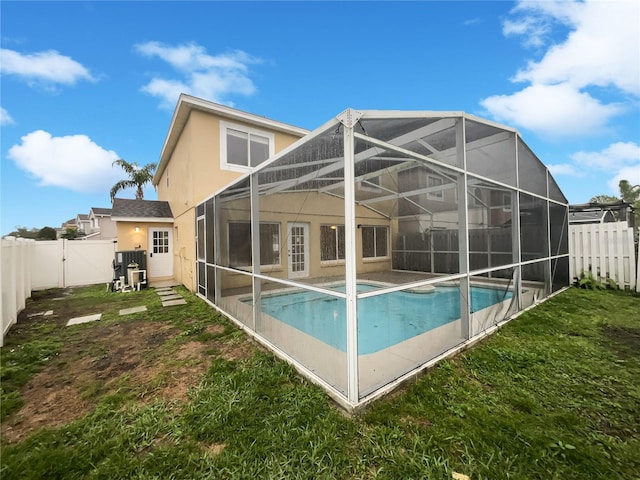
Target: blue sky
column 84, row 83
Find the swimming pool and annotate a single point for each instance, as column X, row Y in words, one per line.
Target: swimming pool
column 383, row 320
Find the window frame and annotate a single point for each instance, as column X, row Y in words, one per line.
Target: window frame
column 262, row 265
column 375, row 243
column 439, row 195
column 224, row 127
column 337, row 260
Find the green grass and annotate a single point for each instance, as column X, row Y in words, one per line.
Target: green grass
column 552, row 395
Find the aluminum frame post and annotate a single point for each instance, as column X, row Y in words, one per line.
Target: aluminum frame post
column 349, row 118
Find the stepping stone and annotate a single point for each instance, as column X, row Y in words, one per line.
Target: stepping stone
column 87, row 319
column 163, row 289
column 48, row 312
column 127, row 311
column 164, row 293
column 171, row 303
column 175, row 296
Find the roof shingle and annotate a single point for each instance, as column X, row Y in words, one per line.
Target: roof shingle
column 126, row 208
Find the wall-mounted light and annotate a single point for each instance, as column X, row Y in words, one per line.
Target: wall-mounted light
column 333, row 227
column 137, row 229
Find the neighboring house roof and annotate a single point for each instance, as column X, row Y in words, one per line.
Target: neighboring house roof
column 101, row 211
column 187, row 103
column 126, row 210
column 69, row 223
column 83, row 216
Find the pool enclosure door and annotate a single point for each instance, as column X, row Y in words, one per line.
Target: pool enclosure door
column 298, row 252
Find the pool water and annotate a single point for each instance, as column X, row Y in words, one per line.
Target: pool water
column 383, row 320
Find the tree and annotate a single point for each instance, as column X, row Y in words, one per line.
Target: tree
column 604, row 199
column 70, row 234
column 22, row 232
column 138, row 177
column 47, row 233
column 629, row 193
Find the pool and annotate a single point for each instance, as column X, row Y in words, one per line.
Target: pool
column 383, row 320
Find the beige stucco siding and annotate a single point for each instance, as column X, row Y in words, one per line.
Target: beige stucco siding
column 185, row 249
column 194, row 174
column 315, row 209
column 129, row 239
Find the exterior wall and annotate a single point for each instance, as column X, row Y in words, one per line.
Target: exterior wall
column 285, row 208
column 106, row 228
column 129, row 239
column 184, row 249
column 193, row 174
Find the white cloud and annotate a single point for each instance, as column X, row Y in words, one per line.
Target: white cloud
column 5, row 118
column 614, row 156
column 213, row 77
column 552, row 110
column 600, row 51
column 630, row 173
column 74, row 162
column 43, row 68
column 565, row 169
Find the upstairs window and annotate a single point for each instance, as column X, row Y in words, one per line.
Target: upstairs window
column 243, row 148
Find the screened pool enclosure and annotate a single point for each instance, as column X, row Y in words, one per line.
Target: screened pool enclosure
column 382, row 241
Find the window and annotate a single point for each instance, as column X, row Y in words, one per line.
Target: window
column 161, row 241
column 331, row 242
column 240, row 244
column 242, row 148
column 435, row 182
column 370, row 185
column 374, row 242
column 506, row 202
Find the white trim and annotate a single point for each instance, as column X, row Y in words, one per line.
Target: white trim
column 143, row 219
column 375, row 243
column 224, row 127
column 187, row 103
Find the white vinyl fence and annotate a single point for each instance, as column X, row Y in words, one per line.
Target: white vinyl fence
column 606, row 250
column 28, row 265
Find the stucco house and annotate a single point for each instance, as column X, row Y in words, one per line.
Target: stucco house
column 207, row 146
column 146, row 225
column 82, row 223
column 101, row 226
column 361, row 251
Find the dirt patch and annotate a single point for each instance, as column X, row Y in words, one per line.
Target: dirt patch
column 87, row 367
column 214, row 449
column 625, row 341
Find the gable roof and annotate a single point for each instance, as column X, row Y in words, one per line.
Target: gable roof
column 100, row 211
column 126, row 210
column 187, row 103
column 83, row 217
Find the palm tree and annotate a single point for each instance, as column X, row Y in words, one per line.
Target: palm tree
column 138, row 177
column 629, row 193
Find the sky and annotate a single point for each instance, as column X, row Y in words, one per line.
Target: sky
column 85, row 83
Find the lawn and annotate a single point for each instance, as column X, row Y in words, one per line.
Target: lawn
column 181, row 393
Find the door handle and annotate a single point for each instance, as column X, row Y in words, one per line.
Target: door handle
column 150, row 254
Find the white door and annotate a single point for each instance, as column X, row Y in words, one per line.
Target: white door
column 160, row 258
column 298, row 250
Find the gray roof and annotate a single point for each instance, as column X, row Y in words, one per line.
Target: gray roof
column 83, row 216
column 101, row 211
column 126, row 208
